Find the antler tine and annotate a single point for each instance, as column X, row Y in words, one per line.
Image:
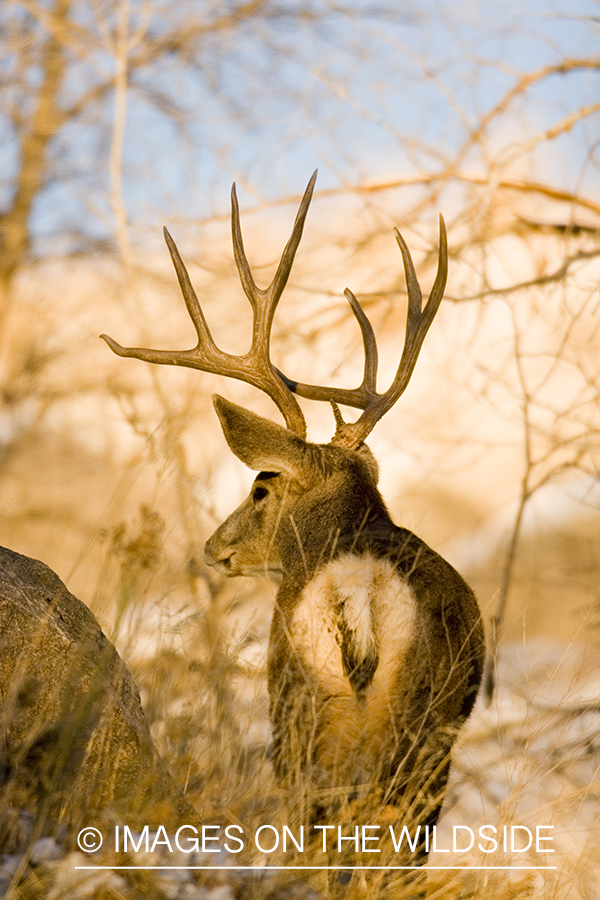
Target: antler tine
column 251, row 289
column 264, row 302
column 369, row 382
column 284, row 268
column 255, row 367
column 418, row 322
column 189, row 358
column 189, row 294
column 413, row 288
column 358, row 397
column 206, row 355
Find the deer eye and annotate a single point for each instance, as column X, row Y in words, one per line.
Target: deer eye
column 259, row 493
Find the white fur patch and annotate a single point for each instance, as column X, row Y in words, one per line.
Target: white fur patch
column 374, row 603
column 352, row 579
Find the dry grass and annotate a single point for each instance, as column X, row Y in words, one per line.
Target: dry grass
column 196, row 647
column 122, row 514
column 532, row 759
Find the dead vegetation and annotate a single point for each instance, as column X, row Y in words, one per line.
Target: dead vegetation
column 115, row 487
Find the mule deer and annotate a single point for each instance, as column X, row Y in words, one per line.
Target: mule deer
column 376, row 645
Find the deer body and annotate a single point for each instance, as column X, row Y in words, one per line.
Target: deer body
column 375, row 653
column 376, row 647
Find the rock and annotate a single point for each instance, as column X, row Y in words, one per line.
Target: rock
column 68, row 881
column 44, row 850
column 4, row 884
column 74, row 740
column 222, row 892
column 10, row 864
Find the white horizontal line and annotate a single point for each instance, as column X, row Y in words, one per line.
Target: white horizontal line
column 283, row 868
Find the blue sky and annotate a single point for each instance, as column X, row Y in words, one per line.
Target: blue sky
column 362, row 91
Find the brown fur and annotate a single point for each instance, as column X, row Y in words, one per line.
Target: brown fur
column 376, row 646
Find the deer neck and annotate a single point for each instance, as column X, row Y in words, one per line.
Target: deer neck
column 308, row 538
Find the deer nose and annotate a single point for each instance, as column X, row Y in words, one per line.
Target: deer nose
column 209, row 558
column 212, row 557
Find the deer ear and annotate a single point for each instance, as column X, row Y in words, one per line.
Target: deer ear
column 263, row 445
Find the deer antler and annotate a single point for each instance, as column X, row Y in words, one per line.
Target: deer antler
column 255, row 367
column 365, row 396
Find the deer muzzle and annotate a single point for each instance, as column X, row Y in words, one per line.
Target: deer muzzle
column 219, row 559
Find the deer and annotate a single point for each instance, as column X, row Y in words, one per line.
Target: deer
column 376, row 646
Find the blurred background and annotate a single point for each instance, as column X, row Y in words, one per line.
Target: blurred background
column 119, row 116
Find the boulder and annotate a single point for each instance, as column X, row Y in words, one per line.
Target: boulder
column 74, row 741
